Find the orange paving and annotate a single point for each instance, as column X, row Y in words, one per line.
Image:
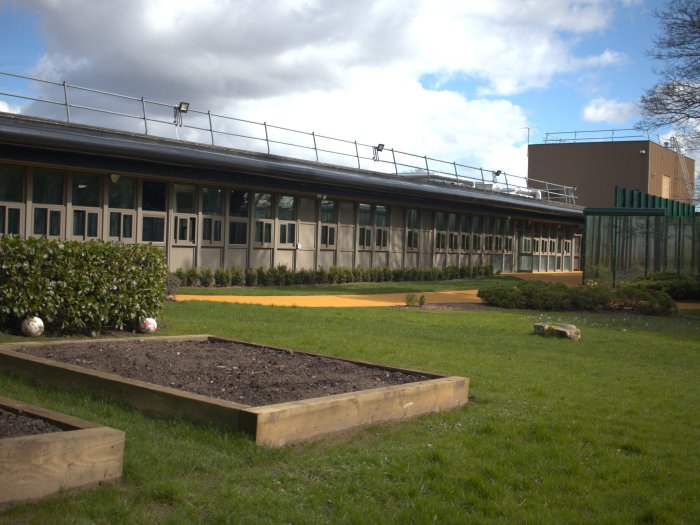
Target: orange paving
column 390, row 299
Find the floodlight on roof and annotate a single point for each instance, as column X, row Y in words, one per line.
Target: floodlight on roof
column 183, row 107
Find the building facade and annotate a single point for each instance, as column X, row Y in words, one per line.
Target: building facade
column 596, row 168
column 209, row 206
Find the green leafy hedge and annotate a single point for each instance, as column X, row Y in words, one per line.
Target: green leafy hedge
column 284, row 276
column 539, row 295
column 678, row 286
column 79, row 286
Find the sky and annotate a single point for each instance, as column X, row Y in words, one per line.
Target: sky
column 470, row 81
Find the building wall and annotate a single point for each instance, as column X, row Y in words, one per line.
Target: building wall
column 595, row 168
column 210, row 225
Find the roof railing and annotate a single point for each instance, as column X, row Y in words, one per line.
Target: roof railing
column 78, row 104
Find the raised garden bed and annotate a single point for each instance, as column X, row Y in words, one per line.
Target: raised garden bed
column 43, row 452
column 276, row 396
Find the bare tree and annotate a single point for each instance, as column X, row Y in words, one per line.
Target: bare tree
column 675, row 100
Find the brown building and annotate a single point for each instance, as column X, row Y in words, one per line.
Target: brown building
column 595, row 168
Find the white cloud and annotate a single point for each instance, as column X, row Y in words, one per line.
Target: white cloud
column 7, row 108
column 344, row 69
column 610, row 111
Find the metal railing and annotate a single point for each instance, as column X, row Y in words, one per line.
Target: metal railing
column 602, row 135
column 77, row 104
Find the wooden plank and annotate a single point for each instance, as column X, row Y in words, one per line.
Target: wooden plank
column 37, row 466
column 151, row 399
column 63, row 421
column 297, row 421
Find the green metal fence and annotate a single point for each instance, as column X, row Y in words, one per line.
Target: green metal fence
column 627, row 243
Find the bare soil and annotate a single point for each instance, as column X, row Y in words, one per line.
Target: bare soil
column 247, row 374
column 14, row 424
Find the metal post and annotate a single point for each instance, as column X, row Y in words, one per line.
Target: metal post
column 456, row 174
column 357, row 154
column 427, row 169
column 313, row 135
column 211, row 128
column 396, row 167
column 65, row 96
column 145, row 119
column 267, row 139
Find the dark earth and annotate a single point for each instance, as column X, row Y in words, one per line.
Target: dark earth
column 14, row 424
column 246, row 374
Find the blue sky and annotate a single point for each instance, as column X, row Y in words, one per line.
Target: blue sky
column 456, row 80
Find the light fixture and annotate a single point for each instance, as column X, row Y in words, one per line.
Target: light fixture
column 380, row 147
column 182, row 107
column 375, row 151
column 114, row 177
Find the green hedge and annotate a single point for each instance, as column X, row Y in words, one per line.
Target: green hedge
column 678, row 286
column 79, row 286
column 284, row 276
column 539, row 295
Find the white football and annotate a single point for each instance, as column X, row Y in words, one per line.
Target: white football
column 32, row 326
column 148, row 325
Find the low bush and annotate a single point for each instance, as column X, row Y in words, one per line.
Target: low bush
column 678, row 286
column 80, row 286
column 643, row 301
column 251, row 276
column 238, row 276
column 172, row 283
column 192, row 277
column 539, row 295
column 206, row 277
column 222, row 276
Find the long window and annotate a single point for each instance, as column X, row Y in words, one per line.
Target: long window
column 329, row 223
column 440, row 231
column 86, row 200
column 11, row 199
column 122, row 216
column 412, row 229
column 185, row 228
column 364, row 219
column 153, row 203
column 381, row 220
column 263, row 219
column 286, row 215
column 47, row 194
column 212, row 215
column 238, row 218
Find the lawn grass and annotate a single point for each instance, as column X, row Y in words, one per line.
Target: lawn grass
column 348, row 288
column 600, row 431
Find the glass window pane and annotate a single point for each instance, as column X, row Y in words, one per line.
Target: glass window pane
column 115, row 219
column 153, row 198
column 184, row 198
column 364, row 212
column 466, row 223
column 2, row 220
column 238, row 204
column 153, row 229
column 324, row 235
column 92, row 225
column 40, row 215
column 286, row 208
column 283, row 233
column 48, row 186
column 217, row 231
column 121, row 193
column 238, row 233
column 206, row 229
column 182, row 229
column 440, row 223
column 412, row 219
column 86, row 189
column 11, row 183
column 331, row 236
column 212, row 201
column 381, row 214
column 452, row 222
column 259, row 231
column 268, row 232
column 127, row 228
column 54, row 222
column 328, row 211
column 12, row 221
column 291, row 233
column 263, row 205
column 78, row 222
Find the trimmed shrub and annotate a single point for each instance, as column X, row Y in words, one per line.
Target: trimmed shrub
column 238, row 276
column 172, row 283
column 545, row 296
column 590, row 297
column 80, row 286
column 678, row 286
column 411, row 299
column 504, row 295
column 192, row 277
column 639, row 300
column 222, row 276
column 206, row 277
column 181, row 274
column 251, row 276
